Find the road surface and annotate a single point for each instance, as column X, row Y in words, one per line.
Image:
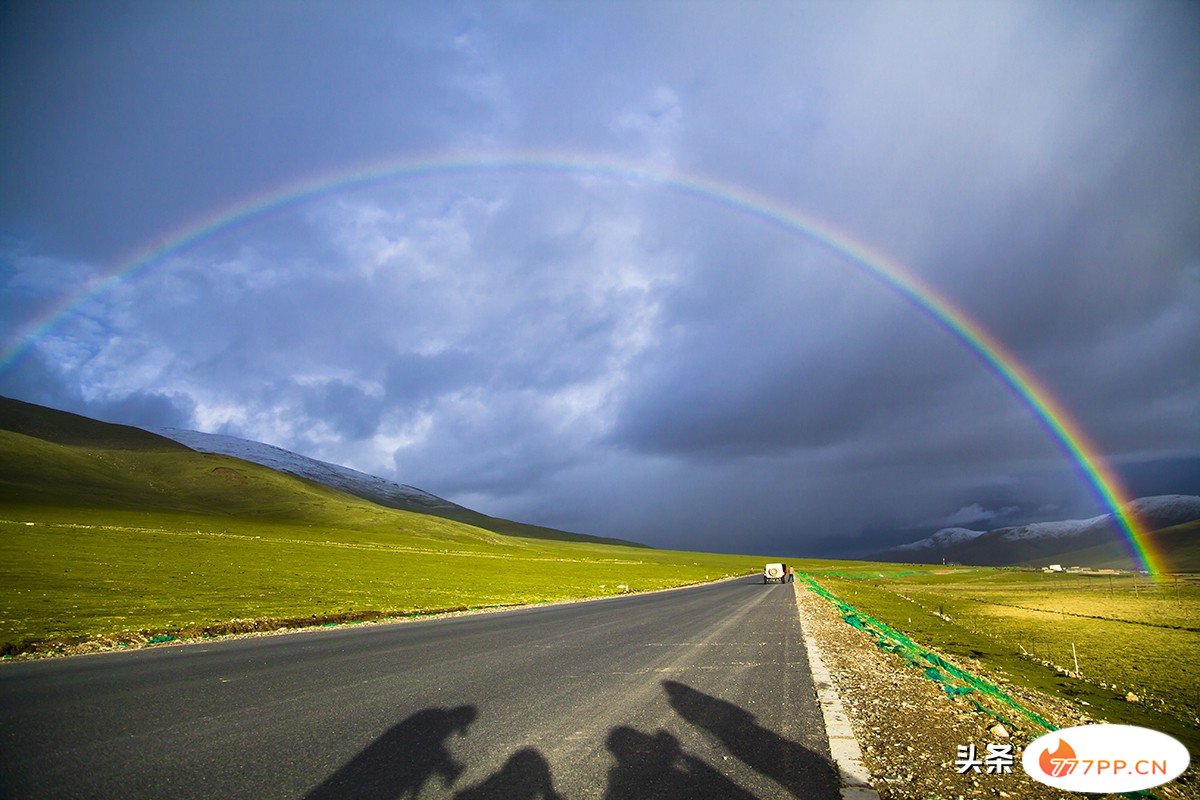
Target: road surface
column 702, row 692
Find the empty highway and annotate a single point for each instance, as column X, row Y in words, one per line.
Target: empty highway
column 701, row 692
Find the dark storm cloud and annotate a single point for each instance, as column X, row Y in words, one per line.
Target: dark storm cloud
column 413, row 378
column 1161, row 476
column 37, row 382
column 612, row 357
column 760, row 380
column 144, row 409
column 350, row 411
column 127, row 118
column 34, row 381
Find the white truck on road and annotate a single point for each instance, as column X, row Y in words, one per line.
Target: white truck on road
column 777, row 573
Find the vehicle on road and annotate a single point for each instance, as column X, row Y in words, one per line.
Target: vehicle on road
column 777, row 573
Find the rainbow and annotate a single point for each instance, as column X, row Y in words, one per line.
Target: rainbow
column 1053, row 417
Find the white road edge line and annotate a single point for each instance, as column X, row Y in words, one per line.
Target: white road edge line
column 855, row 779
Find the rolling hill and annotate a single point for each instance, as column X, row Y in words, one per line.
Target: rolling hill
column 368, row 487
column 107, row 528
column 79, row 474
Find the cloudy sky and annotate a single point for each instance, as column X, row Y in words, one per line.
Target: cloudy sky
column 611, row 355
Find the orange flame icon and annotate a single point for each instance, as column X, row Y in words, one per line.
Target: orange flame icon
column 1061, row 762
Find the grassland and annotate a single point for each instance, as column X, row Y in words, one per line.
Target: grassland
column 92, row 572
column 1130, row 635
column 105, row 528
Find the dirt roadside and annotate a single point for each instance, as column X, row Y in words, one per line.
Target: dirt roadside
column 909, row 730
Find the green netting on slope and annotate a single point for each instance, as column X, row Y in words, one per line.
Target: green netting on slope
column 953, row 680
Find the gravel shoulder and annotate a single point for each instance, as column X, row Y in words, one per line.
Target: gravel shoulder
column 909, row 730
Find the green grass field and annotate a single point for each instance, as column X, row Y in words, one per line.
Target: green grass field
column 90, row 572
column 105, row 528
column 1130, row 635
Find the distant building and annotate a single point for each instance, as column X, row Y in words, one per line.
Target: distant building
column 1054, row 568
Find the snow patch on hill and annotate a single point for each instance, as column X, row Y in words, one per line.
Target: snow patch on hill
column 1178, row 507
column 1050, row 530
column 348, row 480
column 946, row 536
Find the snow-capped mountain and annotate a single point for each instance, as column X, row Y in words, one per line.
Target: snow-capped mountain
column 1099, row 536
column 369, row 487
column 943, row 538
column 1162, row 511
column 1167, row 509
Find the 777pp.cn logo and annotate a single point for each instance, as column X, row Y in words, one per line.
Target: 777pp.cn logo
column 1105, row 758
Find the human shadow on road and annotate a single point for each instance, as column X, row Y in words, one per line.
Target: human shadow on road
column 801, row 771
column 525, row 776
column 403, row 759
column 655, row 767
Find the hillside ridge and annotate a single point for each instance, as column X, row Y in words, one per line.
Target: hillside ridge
column 375, row 489
column 64, row 427
column 143, row 470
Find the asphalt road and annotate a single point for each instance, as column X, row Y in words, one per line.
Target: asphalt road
column 703, row 692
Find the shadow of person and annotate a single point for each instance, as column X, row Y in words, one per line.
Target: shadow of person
column 656, row 767
column 525, row 776
column 400, row 761
column 801, row 771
